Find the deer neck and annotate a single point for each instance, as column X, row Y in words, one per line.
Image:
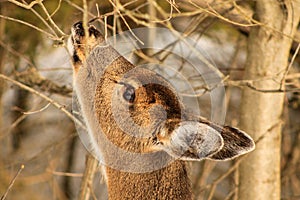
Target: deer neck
column 170, row 182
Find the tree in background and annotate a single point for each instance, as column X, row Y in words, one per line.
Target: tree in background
column 262, row 105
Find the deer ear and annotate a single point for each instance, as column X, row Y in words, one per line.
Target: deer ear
column 192, row 140
column 236, row 142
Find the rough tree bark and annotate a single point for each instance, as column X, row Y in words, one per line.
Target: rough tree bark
column 268, row 53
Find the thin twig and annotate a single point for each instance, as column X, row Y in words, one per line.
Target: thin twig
column 37, row 111
column 89, row 172
column 238, row 161
column 16, row 53
column 58, row 7
column 31, row 26
column 57, row 105
column 230, row 195
column 50, row 19
column 22, row 5
column 79, row 175
column 89, row 13
column 216, row 14
column 42, row 19
column 12, row 182
column 154, row 3
column 242, row 84
column 118, row 7
column 289, row 66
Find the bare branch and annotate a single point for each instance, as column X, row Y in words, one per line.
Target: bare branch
column 31, row 77
column 50, row 19
column 79, row 175
column 31, row 26
column 89, row 13
column 89, row 172
column 44, row 21
column 212, row 11
column 22, row 5
column 37, row 111
column 56, row 104
column 249, row 84
column 289, row 66
column 119, row 6
column 58, row 7
column 16, row 53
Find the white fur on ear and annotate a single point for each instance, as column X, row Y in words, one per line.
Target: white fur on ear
column 193, row 140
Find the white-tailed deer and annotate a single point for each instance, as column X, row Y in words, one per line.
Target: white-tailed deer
column 138, row 126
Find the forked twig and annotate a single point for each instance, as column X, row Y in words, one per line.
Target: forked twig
column 22, row 5
column 118, row 6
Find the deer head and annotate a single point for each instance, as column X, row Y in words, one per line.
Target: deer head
column 138, row 111
column 138, row 126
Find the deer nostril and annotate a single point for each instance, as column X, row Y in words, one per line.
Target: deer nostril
column 78, row 25
column 77, row 29
column 75, row 58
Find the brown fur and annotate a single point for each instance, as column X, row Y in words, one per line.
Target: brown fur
column 170, row 182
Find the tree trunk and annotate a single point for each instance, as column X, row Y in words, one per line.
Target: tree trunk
column 268, row 53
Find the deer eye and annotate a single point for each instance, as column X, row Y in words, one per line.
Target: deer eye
column 129, row 93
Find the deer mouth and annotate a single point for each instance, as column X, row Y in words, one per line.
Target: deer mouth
column 78, row 33
column 79, row 45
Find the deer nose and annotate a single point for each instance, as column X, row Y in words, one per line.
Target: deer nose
column 78, row 26
column 77, row 29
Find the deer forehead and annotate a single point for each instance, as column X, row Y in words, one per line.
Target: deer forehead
column 141, row 76
column 147, row 84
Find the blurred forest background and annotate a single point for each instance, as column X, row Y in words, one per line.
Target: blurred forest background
column 254, row 44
